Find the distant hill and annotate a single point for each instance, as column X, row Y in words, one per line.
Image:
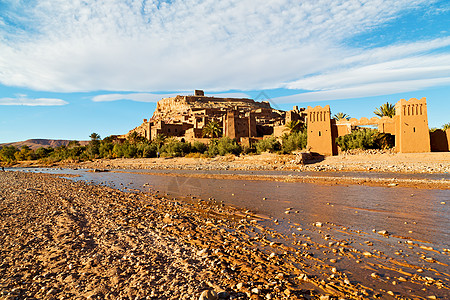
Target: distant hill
column 37, row 143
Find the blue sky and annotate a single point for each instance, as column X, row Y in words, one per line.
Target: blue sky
column 70, row 68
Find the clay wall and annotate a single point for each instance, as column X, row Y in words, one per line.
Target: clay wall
column 387, row 125
column 320, row 135
column 279, row 130
column 193, row 134
column 343, row 128
column 440, row 140
column 411, row 126
column 291, row 115
column 237, row 126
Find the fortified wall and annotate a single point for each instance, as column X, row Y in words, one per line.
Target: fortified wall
column 409, row 125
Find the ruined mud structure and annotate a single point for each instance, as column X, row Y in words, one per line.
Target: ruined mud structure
column 246, row 120
column 242, row 119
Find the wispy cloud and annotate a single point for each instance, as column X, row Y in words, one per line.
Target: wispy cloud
column 149, row 97
column 24, row 101
column 364, row 90
column 184, row 44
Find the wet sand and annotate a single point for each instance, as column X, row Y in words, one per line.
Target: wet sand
column 65, row 239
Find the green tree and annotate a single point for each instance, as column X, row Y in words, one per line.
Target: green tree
column 93, row 148
column 341, row 116
column 385, row 110
column 212, row 129
column 73, row 144
column 446, row 126
column 94, row 136
column 7, row 154
column 135, row 137
column 294, row 126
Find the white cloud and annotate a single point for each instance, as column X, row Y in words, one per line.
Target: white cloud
column 365, row 90
column 22, row 100
column 215, row 45
column 149, row 97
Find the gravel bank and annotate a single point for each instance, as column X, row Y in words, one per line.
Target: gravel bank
column 69, row 240
column 63, row 239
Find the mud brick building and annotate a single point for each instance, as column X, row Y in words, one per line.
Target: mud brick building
column 184, row 117
column 409, row 125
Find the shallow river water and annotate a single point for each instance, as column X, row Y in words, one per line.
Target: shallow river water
column 355, row 213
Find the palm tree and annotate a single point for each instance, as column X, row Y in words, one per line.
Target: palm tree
column 293, row 126
column 212, row 129
column 341, row 116
column 94, row 136
column 385, row 110
column 446, row 126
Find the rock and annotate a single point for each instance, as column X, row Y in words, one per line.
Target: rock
column 208, row 295
column 223, row 295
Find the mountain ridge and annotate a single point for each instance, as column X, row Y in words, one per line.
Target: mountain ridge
column 37, row 143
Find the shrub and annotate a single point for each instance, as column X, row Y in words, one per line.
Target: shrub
column 7, row 153
column 268, row 144
column 359, row 139
column 106, row 149
column 175, row 148
column 293, row 141
column 150, row 150
column 199, row 147
column 223, row 146
column 384, row 140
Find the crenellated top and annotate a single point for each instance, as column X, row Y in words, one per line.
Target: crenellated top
column 365, row 121
column 411, row 107
column 318, row 114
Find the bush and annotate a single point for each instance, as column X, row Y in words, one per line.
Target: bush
column 7, row 154
column 175, row 148
column 268, row 144
column 150, row 150
column 294, row 141
column 199, row 147
column 223, row 146
column 384, row 140
column 106, row 150
column 360, row 139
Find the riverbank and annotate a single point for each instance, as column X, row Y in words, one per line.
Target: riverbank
column 362, row 161
column 331, row 167
column 66, row 239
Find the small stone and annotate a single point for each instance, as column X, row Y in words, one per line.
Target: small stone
column 208, row 295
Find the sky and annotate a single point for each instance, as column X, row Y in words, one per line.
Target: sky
column 71, row 68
